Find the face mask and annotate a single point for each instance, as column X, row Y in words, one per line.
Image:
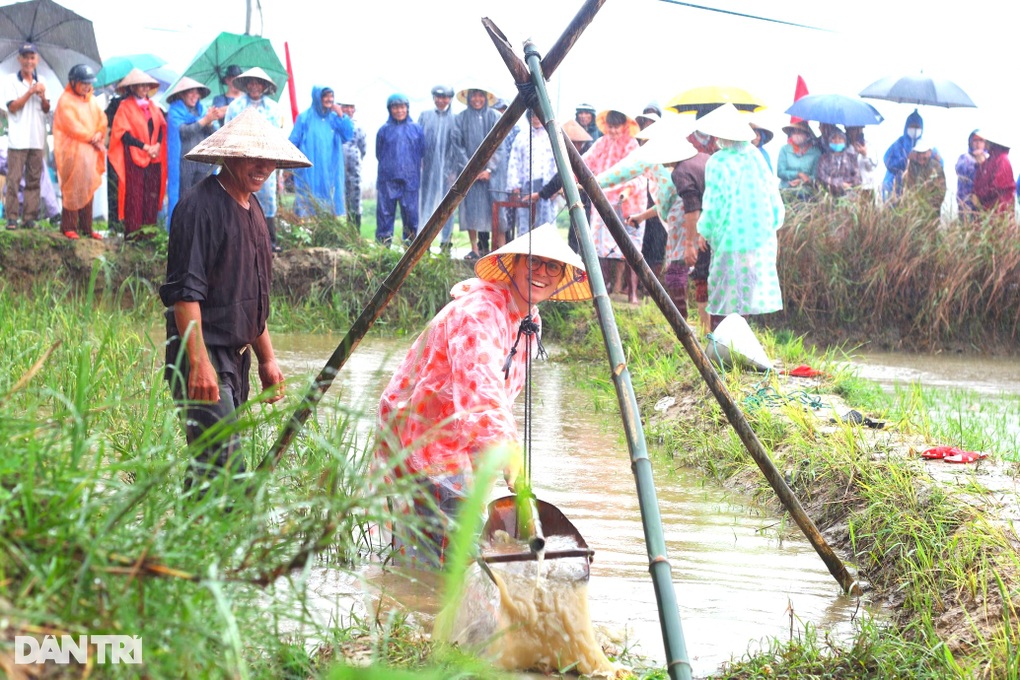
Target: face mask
column 914, row 133
column 837, row 147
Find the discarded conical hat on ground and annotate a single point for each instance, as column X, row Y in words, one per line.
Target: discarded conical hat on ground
column 137, row 76
column 726, row 122
column 489, row 97
column 183, row 85
column 249, row 136
column 574, row 132
column 241, row 81
column 546, row 243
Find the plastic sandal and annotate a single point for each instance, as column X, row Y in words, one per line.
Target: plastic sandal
column 965, row 457
column 73, row 235
column 940, row 452
column 96, row 235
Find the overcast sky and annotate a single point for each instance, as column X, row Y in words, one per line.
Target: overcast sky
column 635, row 51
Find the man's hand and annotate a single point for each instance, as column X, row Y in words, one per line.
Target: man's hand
column 271, row 376
column 38, row 88
column 484, row 176
column 203, row 384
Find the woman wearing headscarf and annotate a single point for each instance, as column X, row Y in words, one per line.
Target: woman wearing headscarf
column 966, row 170
column 79, row 128
column 993, row 180
column 837, row 169
column 138, row 153
column 798, row 160
column 741, row 213
column 188, row 123
column 469, row 129
column 629, row 198
column 452, row 397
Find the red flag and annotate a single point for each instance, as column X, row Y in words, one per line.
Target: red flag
column 797, row 94
column 290, row 84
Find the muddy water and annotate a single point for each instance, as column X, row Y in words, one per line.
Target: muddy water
column 736, row 581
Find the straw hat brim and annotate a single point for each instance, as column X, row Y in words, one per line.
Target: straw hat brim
column 249, row 135
column 185, row 84
column 600, row 122
column 136, row 76
column 489, row 97
column 726, row 122
column 574, row 132
column 542, row 242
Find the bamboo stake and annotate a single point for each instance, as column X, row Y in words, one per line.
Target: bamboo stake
column 709, row 374
column 677, row 660
column 421, row 243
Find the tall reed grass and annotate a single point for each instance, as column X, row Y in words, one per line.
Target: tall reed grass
column 897, row 275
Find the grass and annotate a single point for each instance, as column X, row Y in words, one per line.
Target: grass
column 927, row 551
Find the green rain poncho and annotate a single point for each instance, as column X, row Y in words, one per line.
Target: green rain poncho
column 741, row 212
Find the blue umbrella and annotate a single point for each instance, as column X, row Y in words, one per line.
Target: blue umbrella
column 918, row 90
column 836, row 109
column 115, row 68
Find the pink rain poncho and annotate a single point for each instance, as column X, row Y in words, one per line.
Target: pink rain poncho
column 449, row 400
column 606, row 152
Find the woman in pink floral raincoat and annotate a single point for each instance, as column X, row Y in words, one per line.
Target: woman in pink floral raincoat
column 629, row 198
column 452, row 397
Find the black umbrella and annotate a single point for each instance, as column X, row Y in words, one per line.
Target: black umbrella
column 61, row 37
column 918, row 90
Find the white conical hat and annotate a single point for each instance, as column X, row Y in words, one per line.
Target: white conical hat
column 249, row 136
column 490, row 98
column 669, row 144
column 137, row 76
column 544, row 242
column 183, row 85
column 726, row 122
column 255, row 73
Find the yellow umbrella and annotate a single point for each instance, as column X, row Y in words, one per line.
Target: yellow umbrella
column 701, row 100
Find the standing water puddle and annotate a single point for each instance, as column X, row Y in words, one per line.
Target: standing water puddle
column 736, row 581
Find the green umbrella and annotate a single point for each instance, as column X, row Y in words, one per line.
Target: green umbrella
column 115, row 68
column 245, row 51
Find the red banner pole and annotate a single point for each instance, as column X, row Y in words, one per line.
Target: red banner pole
column 290, row 84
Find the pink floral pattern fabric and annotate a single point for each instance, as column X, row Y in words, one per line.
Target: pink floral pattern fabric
column 449, row 400
column 604, row 154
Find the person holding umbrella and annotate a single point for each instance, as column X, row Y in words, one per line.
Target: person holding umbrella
column 256, row 85
column 24, row 96
column 138, row 153
column 188, row 123
column 227, row 98
column 79, row 130
column 896, row 155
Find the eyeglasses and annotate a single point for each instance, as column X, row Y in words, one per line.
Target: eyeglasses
column 552, row 267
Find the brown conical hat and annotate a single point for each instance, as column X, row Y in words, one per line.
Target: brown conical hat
column 574, row 132
column 137, row 76
column 249, row 135
column 185, row 84
column 255, row 73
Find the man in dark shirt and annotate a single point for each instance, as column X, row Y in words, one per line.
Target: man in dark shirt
column 217, row 287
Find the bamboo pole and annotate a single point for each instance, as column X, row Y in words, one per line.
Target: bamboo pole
column 709, row 374
column 421, row 243
column 677, row 661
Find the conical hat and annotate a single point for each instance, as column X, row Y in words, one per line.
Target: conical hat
column 489, row 97
column 726, row 122
column 241, row 81
column 249, row 135
column 669, row 144
column 600, row 122
column 544, row 242
column 183, row 85
column 137, row 76
column 574, row 132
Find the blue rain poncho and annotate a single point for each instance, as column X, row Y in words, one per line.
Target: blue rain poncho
column 183, row 133
column 320, row 134
column 740, row 214
column 896, row 157
column 399, row 147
